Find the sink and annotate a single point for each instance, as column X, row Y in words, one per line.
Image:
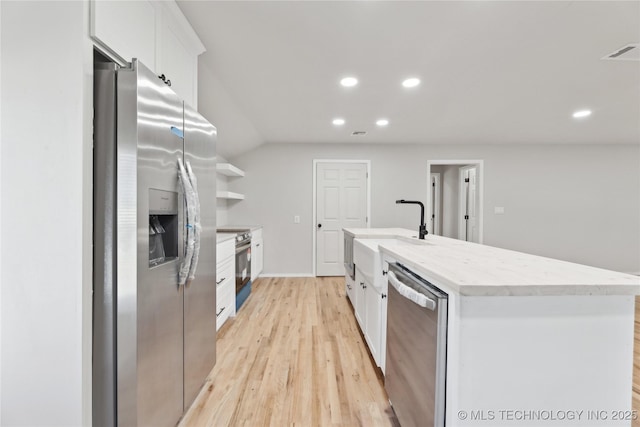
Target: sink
column 367, row 258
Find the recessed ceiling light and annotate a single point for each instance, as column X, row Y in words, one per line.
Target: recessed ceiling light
column 382, row 122
column 412, row 82
column 349, row 81
column 582, row 113
column 338, row 122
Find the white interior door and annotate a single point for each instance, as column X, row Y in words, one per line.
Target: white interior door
column 341, row 201
column 469, row 230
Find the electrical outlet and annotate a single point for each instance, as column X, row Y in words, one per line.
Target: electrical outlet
column 296, row 219
column 498, row 210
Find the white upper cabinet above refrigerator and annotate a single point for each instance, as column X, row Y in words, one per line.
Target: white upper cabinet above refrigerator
column 156, row 33
column 126, row 29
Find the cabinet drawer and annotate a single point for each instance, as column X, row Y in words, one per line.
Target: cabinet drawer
column 225, row 303
column 225, row 250
column 224, row 271
column 225, row 281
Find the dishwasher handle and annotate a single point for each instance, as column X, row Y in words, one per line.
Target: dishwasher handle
column 410, row 293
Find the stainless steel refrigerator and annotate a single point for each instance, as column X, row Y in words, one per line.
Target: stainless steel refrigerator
column 154, row 325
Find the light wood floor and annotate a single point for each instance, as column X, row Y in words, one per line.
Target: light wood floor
column 293, row 356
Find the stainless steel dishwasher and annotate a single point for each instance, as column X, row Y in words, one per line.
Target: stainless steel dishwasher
column 416, row 366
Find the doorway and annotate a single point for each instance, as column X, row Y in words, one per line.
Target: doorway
column 341, row 199
column 468, row 204
column 436, row 203
column 455, row 199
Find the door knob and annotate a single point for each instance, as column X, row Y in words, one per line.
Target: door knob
column 319, row 225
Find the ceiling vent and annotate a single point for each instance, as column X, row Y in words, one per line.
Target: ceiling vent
column 358, row 133
column 630, row 52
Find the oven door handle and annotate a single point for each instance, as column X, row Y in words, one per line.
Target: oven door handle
column 410, row 293
column 243, row 247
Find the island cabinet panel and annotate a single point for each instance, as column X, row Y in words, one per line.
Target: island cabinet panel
column 530, row 341
column 542, row 353
column 636, row 361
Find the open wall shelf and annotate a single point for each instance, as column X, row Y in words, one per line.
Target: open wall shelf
column 229, row 195
column 229, row 170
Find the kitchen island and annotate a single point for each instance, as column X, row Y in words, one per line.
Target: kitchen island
column 531, row 341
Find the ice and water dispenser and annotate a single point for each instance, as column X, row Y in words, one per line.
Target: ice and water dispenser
column 163, row 226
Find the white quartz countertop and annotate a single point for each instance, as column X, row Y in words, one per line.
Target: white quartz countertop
column 479, row 270
column 380, row 233
column 223, row 237
column 233, row 227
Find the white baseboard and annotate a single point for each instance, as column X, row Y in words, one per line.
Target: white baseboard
column 286, row 275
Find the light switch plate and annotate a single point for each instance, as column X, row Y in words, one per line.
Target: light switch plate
column 498, row 210
column 296, row 219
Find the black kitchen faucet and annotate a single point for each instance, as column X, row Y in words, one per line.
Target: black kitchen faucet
column 423, row 228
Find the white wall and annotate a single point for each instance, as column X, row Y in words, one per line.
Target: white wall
column 45, row 138
column 222, row 184
column 235, row 131
column 555, row 203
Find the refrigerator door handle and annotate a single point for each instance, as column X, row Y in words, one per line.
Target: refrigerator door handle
column 197, row 227
column 189, row 197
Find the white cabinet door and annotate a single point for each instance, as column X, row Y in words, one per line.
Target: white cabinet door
column 361, row 303
column 373, row 309
column 257, row 255
column 178, row 64
column 126, row 28
column 383, row 328
column 157, row 34
column 350, row 286
column 259, row 258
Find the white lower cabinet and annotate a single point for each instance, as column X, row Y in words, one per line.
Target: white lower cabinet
column 370, row 308
column 257, row 253
column 360, row 306
column 373, row 303
column 383, row 328
column 350, row 288
column 225, row 282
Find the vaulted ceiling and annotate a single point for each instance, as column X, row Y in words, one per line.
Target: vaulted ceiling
column 491, row 72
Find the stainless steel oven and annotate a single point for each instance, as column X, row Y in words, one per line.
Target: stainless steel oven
column 416, row 348
column 243, row 267
column 243, row 260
